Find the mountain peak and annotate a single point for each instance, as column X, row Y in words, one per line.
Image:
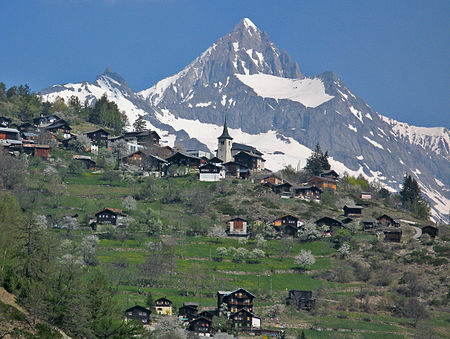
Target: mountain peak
column 245, row 25
column 108, row 73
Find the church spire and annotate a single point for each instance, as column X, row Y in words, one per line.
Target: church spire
column 225, row 134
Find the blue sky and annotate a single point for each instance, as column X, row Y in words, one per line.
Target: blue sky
column 393, row 54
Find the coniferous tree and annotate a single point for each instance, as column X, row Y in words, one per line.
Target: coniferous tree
column 411, row 198
column 139, row 124
column 317, row 162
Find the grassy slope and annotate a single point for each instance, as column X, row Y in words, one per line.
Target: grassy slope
column 87, row 193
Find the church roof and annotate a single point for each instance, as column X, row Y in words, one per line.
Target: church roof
column 225, row 134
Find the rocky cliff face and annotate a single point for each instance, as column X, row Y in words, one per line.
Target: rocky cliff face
column 269, row 103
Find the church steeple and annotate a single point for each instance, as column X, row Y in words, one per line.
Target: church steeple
column 225, row 134
column 225, row 144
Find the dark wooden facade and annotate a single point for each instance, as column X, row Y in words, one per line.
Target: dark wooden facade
column 368, row 224
column 5, row 122
column 41, row 151
column 201, row 326
column 393, row 235
column 236, row 300
column 287, row 225
column 386, row 220
column 188, row 311
column 270, row 178
column 329, row 174
column 301, row 300
column 253, row 162
column 307, row 192
column 352, row 211
column 108, row 216
column 144, row 138
column 237, row 170
column 138, row 313
column 86, row 160
column 98, row 137
column 244, row 320
column 182, row 159
column 327, row 221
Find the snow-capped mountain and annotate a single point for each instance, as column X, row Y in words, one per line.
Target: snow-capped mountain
column 270, row 104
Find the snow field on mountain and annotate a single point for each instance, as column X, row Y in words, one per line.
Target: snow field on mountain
column 308, row 92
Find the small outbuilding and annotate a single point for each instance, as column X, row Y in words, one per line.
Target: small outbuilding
column 432, row 231
column 352, row 211
column 237, row 227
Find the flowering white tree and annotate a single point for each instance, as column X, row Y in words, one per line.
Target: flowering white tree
column 88, row 249
column 221, row 251
column 217, row 232
column 309, row 232
column 260, row 241
column 129, row 203
column 344, row 249
column 305, row 259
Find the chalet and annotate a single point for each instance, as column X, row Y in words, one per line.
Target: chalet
column 237, row 147
column 270, row 178
column 287, row 225
column 143, row 138
column 41, row 151
column 5, row 122
column 10, row 136
column 352, row 211
column 254, row 162
column 329, row 174
column 430, row 230
column 45, row 120
column 211, row 172
column 86, row 160
column 368, row 224
column 365, row 195
column 146, row 161
column 237, row 170
column 163, row 306
column 201, row 326
column 327, row 221
column 199, row 154
column 29, row 137
column 59, row 126
column 392, row 235
column 301, row 300
column 99, row 137
column 138, row 313
column 386, row 220
column 111, row 216
column 27, row 127
column 307, row 192
column 323, row 182
column 244, row 320
column 235, row 300
column 237, row 227
column 216, row 161
column 183, row 159
column 137, row 158
column 188, row 311
column 279, row 189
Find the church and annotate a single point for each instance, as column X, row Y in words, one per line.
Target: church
column 232, row 152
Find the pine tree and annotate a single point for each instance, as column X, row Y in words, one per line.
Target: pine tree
column 317, row 162
column 139, row 124
column 410, row 192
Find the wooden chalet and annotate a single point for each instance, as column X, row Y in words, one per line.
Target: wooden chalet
column 285, row 187
column 10, row 136
column 211, row 172
column 138, row 313
column 368, row 224
column 111, row 216
column 235, row 300
column 432, row 231
column 365, row 195
column 307, row 192
column 45, row 120
column 237, row 227
column 301, row 300
column 392, row 235
column 41, row 151
column 352, row 211
column 86, row 160
column 323, row 182
column 253, row 162
column 244, row 320
column 99, row 137
column 270, row 178
column 287, row 225
column 329, row 174
column 216, row 161
column 201, row 326
column 5, row 122
column 183, row 159
column 188, row 311
column 327, row 221
column 237, row 170
column 143, row 138
column 29, row 137
column 237, row 147
column 347, row 220
column 59, row 126
column 386, row 220
column 163, row 306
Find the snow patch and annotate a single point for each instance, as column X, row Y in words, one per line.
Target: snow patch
column 353, row 128
column 360, row 157
column 203, row 104
column 368, row 116
column 309, row 92
column 374, row 143
column 439, row 182
column 356, row 113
